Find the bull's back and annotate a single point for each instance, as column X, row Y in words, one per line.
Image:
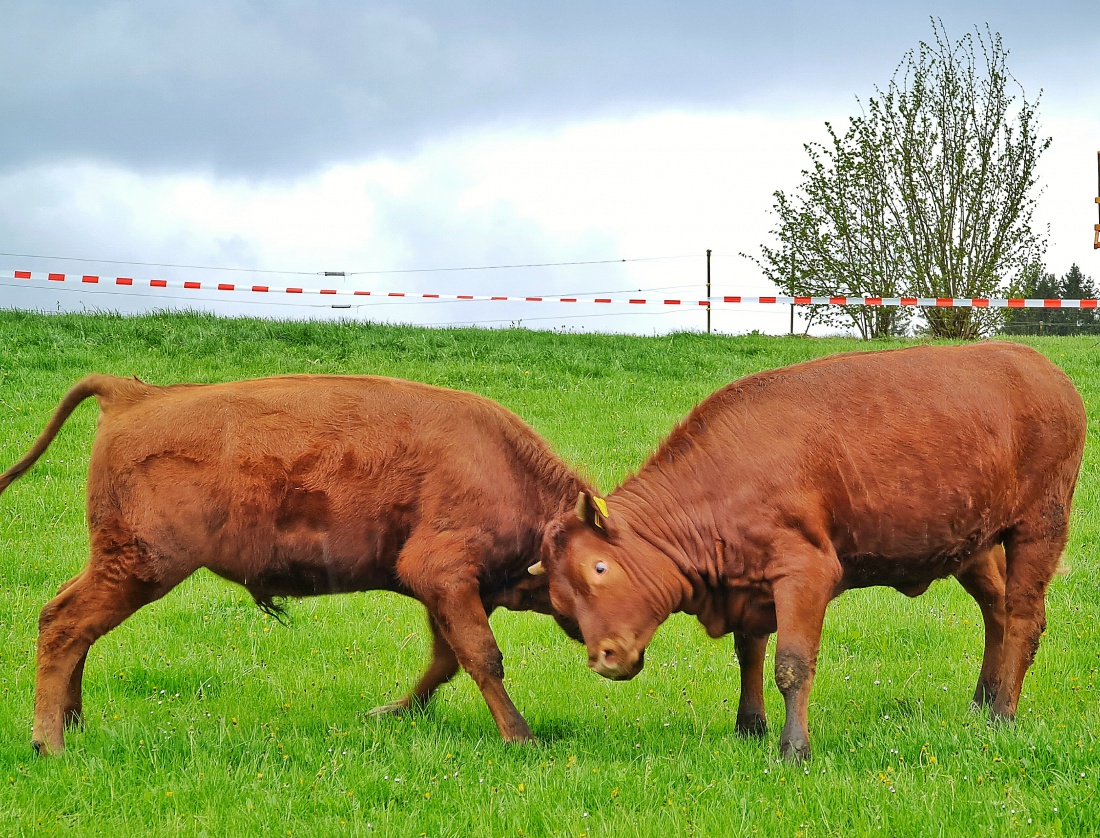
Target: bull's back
column 902, row 454
column 316, row 481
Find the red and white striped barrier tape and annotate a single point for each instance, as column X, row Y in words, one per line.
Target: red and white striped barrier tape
column 210, row 285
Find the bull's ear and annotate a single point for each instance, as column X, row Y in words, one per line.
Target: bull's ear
column 581, row 509
column 592, row 509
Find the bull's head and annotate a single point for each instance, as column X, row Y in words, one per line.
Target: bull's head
column 600, row 574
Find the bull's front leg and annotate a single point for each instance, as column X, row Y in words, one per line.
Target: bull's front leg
column 465, row 626
column 440, row 570
column 752, row 719
column 805, row 585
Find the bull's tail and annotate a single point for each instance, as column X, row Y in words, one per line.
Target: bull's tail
column 106, row 388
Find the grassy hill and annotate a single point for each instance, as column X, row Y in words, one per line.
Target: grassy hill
column 205, row 716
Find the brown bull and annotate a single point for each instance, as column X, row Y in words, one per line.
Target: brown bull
column 786, row 488
column 304, row 485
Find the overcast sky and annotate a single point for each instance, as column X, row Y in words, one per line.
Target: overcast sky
column 370, row 137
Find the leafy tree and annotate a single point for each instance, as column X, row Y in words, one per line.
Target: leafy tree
column 837, row 238
column 929, row 192
column 1040, row 285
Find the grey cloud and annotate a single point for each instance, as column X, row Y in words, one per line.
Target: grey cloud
column 275, row 89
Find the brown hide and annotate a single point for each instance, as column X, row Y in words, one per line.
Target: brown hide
column 303, row 485
column 784, row 489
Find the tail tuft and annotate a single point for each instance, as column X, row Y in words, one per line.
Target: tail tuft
column 274, row 609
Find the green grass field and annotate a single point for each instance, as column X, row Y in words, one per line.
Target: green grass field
column 207, row 717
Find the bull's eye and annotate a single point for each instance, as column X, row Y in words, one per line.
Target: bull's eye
column 601, row 567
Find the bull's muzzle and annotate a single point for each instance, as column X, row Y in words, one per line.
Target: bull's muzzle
column 612, row 661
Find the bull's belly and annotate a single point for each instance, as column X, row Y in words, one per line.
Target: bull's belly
column 751, row 609
column 910, row 552
column 300, row 580
column 307, row 570
column 909, row 574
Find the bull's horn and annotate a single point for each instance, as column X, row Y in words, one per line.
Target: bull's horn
column 582, row 507
column 536, row 569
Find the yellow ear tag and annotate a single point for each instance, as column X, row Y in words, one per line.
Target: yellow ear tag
column 601, row 505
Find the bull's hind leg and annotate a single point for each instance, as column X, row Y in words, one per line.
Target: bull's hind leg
column 752, row 719
column 443, row 667
column 440, row 569
column 1031, row 554
column 86, row 608
column 72, row 708
column 983, row 577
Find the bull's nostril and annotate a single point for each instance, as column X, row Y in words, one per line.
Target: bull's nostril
column 607, row 656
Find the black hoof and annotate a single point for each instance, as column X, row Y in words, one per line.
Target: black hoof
column 752, row 726
column 388, row 710
column 794, row 753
